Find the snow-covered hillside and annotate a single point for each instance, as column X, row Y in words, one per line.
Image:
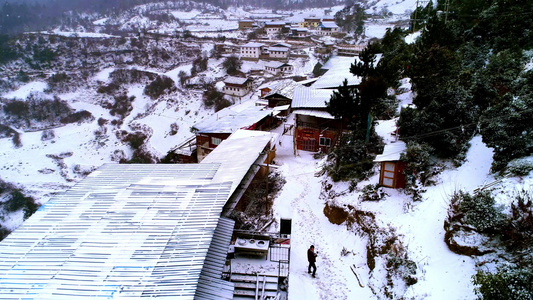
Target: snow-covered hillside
column 141, row 43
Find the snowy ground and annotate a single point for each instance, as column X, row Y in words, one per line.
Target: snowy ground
column 441, row 273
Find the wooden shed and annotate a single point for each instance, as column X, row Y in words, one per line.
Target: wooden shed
column 391, row 174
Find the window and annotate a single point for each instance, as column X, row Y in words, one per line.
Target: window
column 324, row 142
column 216, row 141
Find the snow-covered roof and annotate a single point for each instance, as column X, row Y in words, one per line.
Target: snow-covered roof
column 125, row 231
column 339, row 61
column 275, row 23
column 275, row 64
column 308, row 97
column 300, row 29
column 328, row 25
column 282, row 45
column 246, row 20
column 314, row 112
column 280, row 49
column 284, row 88
column 391, row 152
column 235, row 80
column 237, row 154
column 253, row 45
column 229, row 121
column 335, row 76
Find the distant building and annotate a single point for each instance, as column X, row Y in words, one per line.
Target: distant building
column 237, row 86
column 252, row 50
column 327, row 28
column 278, row 68
column 298, row 32
column 272, row 28
column 312, row 22
column 349, row 50
column 278, row 52
column 246, row 24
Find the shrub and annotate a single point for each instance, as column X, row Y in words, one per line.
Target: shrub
column 520, row 167
column 157, row 87
column 17, row 108
column 136, row 139
column 506, row 283
column 47, row 135
column 79, row 117
column 221, row 104
column 17, row 142
column 478, row 210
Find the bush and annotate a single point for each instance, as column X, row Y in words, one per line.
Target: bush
column 136, row 139
column 478, row 210
column 507, row 283
column 47, row 135
column 78, row 117
column 157, row 87
column 520, row 167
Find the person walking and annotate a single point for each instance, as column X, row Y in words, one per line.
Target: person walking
column 311, row 257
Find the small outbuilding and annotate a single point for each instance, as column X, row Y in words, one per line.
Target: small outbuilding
column 392, row 168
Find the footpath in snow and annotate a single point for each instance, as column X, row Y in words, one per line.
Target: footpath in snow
column 441, row 273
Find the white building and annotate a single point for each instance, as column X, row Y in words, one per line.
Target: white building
column 327, row 28
column 237, row 86
column 278, row 52
column 252, row 50
column 276, row 68
column 272, row 28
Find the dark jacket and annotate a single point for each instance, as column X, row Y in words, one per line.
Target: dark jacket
column 311, row 256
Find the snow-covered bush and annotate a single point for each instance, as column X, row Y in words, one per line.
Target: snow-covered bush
column 520, row 167
column 479, row 210
column 47, row 135
column 372, row 192
column 506, row 283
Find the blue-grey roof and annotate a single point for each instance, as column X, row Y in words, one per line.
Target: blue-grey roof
column 125, row 231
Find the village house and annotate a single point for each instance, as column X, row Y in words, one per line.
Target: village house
column 315, row 128
column 327, row 28
column 278, row 68
column 273, row 28
column 278, row 52
column 392, row 168
column 312, row 22
column 212, row 131
column 349, row 50
column 237, row 86
column 252, row 50
column 281, row 93
column 246, row 24
column 298, row 32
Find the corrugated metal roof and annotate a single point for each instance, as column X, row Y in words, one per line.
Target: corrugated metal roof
column 339, row 61
column 238, row 153
column 210, row 285
column 125, row 231
column 230, row 121
column 335, row 77
column 284, row 88
column 391, row 152
column 309, row 97
column 315, row 113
